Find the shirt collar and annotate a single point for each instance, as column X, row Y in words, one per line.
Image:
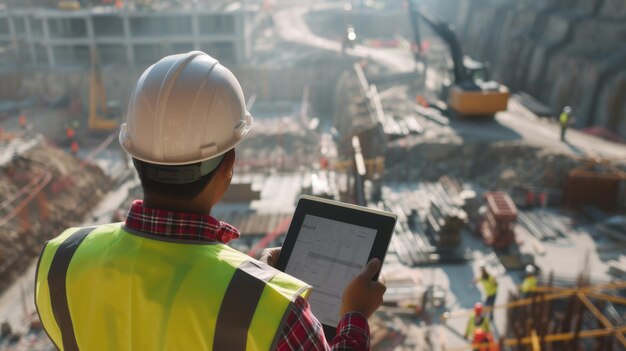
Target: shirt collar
column 178, row 225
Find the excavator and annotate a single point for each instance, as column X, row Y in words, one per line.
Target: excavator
column 104, row 116
column 472, row 94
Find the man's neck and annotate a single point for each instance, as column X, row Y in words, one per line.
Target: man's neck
column 197, row 205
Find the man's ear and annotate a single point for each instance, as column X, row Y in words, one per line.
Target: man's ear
column 228, row 165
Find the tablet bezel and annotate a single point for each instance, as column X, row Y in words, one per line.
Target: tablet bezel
column 383, row 222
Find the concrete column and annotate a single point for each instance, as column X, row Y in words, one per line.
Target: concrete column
column 12, row 31
column 46, row 42
column 239, row 40
column 91, row 35
column 195, row 29
column 29, row 40
column 128, row 44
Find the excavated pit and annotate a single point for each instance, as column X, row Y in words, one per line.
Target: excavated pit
column 69, row 190
column 495, row 165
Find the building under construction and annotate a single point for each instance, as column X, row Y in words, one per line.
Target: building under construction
column 131, row 37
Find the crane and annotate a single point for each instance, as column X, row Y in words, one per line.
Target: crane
column 103, row 115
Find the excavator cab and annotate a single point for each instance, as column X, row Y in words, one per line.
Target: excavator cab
column 476, row 70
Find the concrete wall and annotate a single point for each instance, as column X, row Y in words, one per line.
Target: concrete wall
column 320, row 73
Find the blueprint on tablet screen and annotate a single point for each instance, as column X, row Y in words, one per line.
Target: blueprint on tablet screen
column 327, row 255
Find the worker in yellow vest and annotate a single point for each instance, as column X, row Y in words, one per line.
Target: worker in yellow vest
column 564, row 119
column 476, row 321
column 490, row 286
column 164, row 279
column 529, row 285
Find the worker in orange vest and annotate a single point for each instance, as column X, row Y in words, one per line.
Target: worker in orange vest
column 483, row 341
column 70, row 133
column 22, row 120
column 74, row 148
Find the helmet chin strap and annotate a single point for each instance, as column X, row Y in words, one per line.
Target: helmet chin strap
column 181, row 174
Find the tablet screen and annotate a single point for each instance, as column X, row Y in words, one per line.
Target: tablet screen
column 327, row 255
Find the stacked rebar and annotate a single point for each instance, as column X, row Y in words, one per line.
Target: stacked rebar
column 430, row 221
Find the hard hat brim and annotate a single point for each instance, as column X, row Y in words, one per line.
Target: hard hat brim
column 241, row 132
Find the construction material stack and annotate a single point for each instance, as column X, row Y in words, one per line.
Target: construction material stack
column 444, row 224
column 497, row 224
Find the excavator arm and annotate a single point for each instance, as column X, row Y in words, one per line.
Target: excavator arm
column 468, row 97
column 446, row 32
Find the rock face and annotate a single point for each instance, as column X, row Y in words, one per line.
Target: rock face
column 562, row 52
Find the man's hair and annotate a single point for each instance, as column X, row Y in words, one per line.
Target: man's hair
column 178, row 191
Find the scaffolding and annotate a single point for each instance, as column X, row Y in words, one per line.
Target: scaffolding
column 583, row 317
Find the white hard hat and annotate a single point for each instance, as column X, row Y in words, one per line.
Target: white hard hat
column 530, row 269
column 185, row 109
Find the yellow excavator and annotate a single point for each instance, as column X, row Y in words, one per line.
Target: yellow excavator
column 472, row 94
column 104, row 116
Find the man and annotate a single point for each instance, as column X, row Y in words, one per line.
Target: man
column 164, row 279
column 529, row 285
column 476, row 321
column 490, row 286
column 564, row 120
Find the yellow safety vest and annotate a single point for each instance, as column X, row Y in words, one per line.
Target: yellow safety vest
column 529, row 284
column 490, row 285
column 472, row 326
column 564, row 118
column 110, row 288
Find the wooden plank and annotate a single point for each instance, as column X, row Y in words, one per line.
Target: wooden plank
column 614, row 299
column 601, row 317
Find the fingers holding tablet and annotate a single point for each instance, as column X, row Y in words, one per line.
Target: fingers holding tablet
column 270, row 256
column 363, row 294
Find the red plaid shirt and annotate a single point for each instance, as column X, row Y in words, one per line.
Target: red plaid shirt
column 302, row 330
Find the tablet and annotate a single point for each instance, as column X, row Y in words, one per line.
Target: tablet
column 328, row 243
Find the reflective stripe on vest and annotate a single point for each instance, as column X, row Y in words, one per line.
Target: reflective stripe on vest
column 124, row 291
column 58, row 292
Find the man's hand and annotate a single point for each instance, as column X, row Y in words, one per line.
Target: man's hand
column 362, row 294
column 270, row 256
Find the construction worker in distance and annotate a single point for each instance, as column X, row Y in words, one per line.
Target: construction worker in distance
column 74, row 148
column 490, row 287
column 564, row 120
column 529, row 285
column 164, row 279
column 69, row 132
column 476, row 321
column 483, row 341
column 22, row 121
